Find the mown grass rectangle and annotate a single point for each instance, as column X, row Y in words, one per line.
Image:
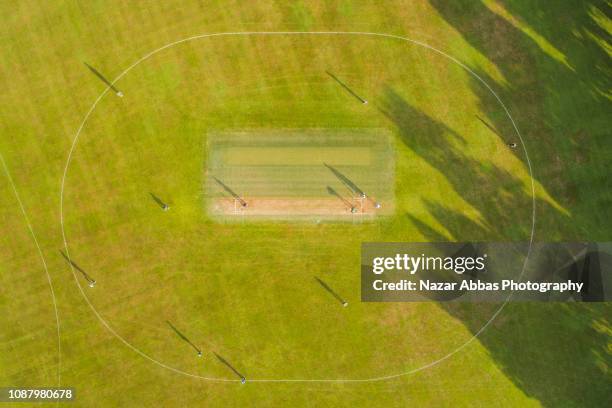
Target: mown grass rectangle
column 301, row 164
column 297, row 156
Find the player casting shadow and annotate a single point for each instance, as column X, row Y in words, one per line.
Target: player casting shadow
column 159, row 202
column 88, row 278
column 103, row 79
column 349, row 90
column 333, row 293
column 183, row 337
column 231, row 192
column 346, row 181
column 227, row 364
column 488, row 125
column 344, row 200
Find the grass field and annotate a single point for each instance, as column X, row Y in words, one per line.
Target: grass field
column 248, row 291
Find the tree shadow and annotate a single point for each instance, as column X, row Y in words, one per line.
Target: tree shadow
column 428, row 232
column 556, row 353
column 556, row 72
column 502, row 209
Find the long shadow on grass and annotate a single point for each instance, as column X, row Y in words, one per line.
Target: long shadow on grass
column 103, row 79
column 557, row 77
column 554, row 352
column 77, row 267
column 334, row 193
column 557, row 82
column 332, row 292
column 346, row 87
column 184, row 338
column 159, row 201
column 231, row 367
column 501, row 207
column 231, row 192
column 354, row 188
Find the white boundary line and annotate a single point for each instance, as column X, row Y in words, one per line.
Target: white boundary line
column 297, row 33
column 44, row 263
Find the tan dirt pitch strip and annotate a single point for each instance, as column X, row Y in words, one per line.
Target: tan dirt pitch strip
column 292, row 206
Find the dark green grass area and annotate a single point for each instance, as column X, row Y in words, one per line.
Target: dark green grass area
column 249, row 292
column 558, row 76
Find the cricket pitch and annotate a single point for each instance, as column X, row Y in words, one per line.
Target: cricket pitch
column 300, row 174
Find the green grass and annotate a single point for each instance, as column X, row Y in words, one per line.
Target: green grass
column 248, row 291
column 291, row 164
